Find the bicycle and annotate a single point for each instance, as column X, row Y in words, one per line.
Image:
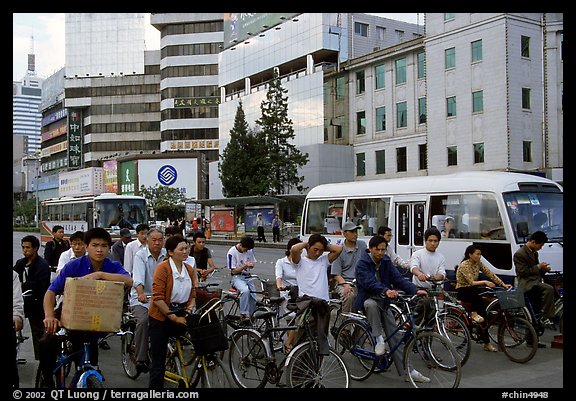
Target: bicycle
column 253, row 361
column 203, row 344
column 86, row 375
column 536, row 315
column 515, row 335
column 425, row 351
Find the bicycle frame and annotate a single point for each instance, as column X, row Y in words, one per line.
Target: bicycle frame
column 84, row 366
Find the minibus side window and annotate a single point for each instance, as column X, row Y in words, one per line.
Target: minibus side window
column 324, row 217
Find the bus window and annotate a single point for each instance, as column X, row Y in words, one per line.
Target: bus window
column 324, row 217
column 67, row 212
column 370, row 213
column 474, row 216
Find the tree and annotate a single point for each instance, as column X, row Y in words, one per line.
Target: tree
column 284, row 158
column 242, row 166
column 167, row 202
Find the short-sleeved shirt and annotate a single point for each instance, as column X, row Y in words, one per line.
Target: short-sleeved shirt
column 80, row 267
column 202, row 258
column 312, row 277
column 286, row 270
column 236, row 258
column 345, row 263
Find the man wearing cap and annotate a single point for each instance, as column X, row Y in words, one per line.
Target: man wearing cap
column 449, row 230
column 119, row 247
column 343, row 268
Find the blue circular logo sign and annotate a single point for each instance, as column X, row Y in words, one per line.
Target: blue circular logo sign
column 167, row 175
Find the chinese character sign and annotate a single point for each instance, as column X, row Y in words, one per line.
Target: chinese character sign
column 74, row 138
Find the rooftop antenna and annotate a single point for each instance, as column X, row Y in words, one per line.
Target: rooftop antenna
column 31, row 56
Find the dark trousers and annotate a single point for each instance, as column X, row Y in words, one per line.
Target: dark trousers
column 276, row 234
column 260, row 231
column 37, row 328
column 542, row 298
column 15, row 376
column 471, row 295
column 159, row 332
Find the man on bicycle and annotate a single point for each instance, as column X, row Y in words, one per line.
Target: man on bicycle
column 241, row 260
column 94, row 265
column 377, row 280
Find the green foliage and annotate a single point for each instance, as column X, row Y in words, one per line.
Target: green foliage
column 24, row 211
column 166, row 201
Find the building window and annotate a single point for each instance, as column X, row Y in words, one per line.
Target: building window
column 401, row 115
column 360, row 83
column 525, row 44
column 422, row 156
column 452, row 155
column 361, row 29
column 360, row 164
column 451, row 106
column 526, row 98
column 527, row 151
column 381, row 32
column 450, row 58
column 380, row 162
column 448, row 16
column 400, row 71
column 338, row 123
column 381, row 119
column 401, row 161
column 422, row 110
column 379, row 73
column 478, row 153
column 421, row 57
column 361, row 123
column 340, row 87
column 477, row 101
column 476, row 48
column 399, row 34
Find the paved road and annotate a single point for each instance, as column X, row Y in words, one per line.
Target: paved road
column 483, row 370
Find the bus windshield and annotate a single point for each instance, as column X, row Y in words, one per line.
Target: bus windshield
column 124, row 213
column 533, row 211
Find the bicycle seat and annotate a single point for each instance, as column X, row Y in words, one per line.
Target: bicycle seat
column 292, row 306
column 261, row 314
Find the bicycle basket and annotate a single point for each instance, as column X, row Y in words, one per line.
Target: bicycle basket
column 203, row 295
column 555, row 280
column 511, row 299
column 206, row 334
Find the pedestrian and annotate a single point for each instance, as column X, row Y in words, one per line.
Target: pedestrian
column 54, row 248
column 260, row 228
column 241, row 260
column 145, row 262
column 95, row 265
column 530, row 271
column 378, row 282
column 276, row 226
column 17, row 323
column 119, row 248
column 134, row 246
column 34, row 275
column 173, row 287
column 344, row 266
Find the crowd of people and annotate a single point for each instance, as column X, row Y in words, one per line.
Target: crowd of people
column 161, row 270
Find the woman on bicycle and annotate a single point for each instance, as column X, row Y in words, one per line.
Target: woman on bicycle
column 468, row 287
column 173, row 288
column 285, row 272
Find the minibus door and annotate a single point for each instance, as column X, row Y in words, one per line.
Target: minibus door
column 409, row 228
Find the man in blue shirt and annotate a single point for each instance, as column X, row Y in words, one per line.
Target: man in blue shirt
column 95, row 265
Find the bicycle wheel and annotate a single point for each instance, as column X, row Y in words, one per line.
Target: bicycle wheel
column 128, row 353
column 457, row 332
column 518, row 339
column 493, row 308
column 173, row 366
column 308, row 369
column 215, row 373
column 355, row 345
column 248, row 357
column 430, row 361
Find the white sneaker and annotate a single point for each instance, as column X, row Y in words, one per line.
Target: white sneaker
column 380, row 349
column 417, row 377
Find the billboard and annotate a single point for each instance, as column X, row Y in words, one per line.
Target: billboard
column 109, row 169
column 240, row 26
column 251, row 213
column 87, row 181
column 181, row 173
column 222, row 219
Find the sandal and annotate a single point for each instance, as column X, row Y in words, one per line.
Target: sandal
column 287, row 348
column 477, row 318
column 490, row 348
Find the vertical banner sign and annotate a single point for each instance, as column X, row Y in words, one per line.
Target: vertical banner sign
column 127, row 179
column 74, row 138
column 110, row 176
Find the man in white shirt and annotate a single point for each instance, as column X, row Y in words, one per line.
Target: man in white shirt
column 241, row 260
column 77, row 249
column 426, row 264
column 134, row 246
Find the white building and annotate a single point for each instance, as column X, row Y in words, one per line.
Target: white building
column 26, row 118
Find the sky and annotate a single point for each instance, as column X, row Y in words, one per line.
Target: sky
column 48, row 32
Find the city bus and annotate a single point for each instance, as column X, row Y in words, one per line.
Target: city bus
column 108, row 210
column 497, row 211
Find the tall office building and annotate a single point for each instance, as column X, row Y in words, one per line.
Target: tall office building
column 26, row 118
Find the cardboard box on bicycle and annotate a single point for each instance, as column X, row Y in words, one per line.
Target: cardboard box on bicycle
column 92, row 305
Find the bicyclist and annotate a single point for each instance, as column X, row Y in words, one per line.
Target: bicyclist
column 285, row 272
column 17, row 322
column 241, row 260
column 95, row 265
column 530, row 272
column 469, row 287
column 312, row 279
column 145, row 262
column 375, row 278
column 204, row 262
column 173, row 288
